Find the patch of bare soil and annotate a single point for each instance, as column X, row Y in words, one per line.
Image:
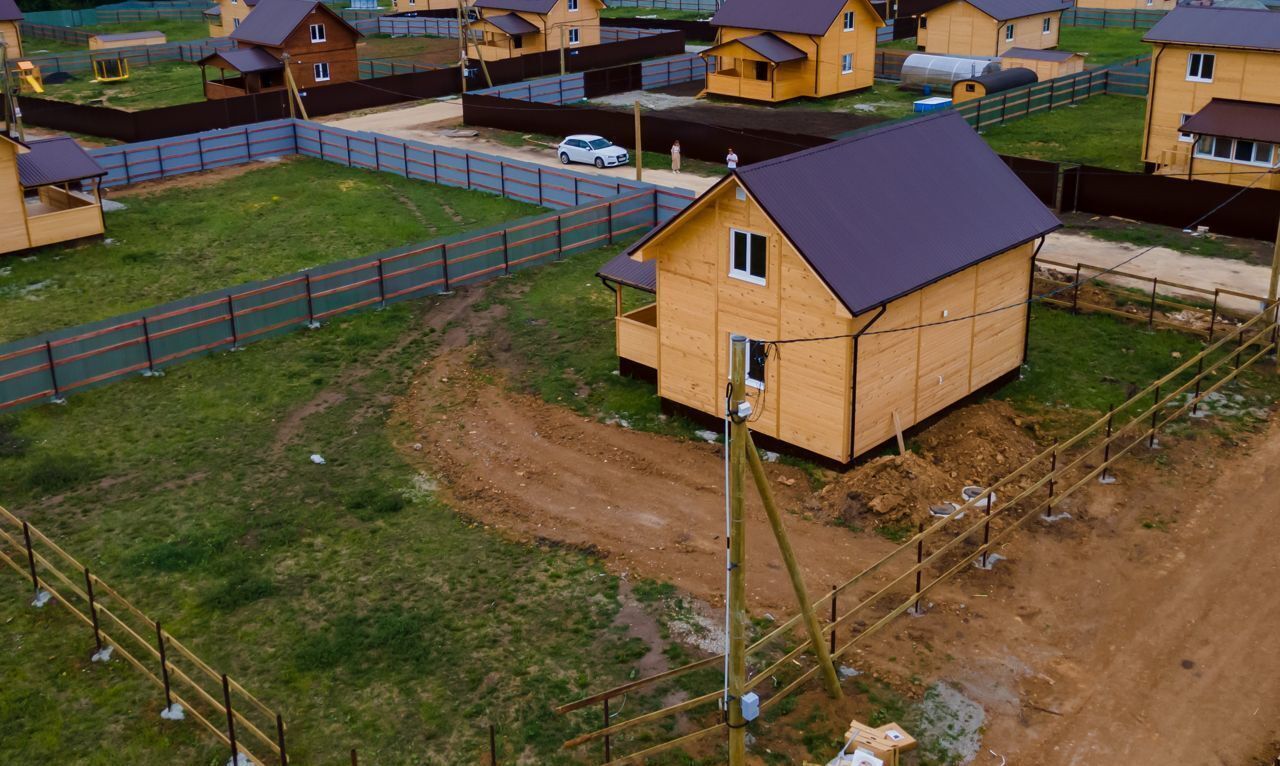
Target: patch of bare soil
column 198, row 180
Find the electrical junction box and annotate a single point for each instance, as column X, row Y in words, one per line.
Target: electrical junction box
column 750, row 706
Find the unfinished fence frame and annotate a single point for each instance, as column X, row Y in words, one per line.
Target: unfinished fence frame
column 1239, row 349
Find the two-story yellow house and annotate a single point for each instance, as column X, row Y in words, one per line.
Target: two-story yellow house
column 773, row 51
column 507, row 28
column 1213, row 105
column 990, row 27
column 892, row 268
column 225, row 17
column 10, row 34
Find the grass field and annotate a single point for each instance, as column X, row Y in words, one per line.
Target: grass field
column 270, row 220
column 174, row 31
column 883, row 99
column 1104, row 130
column 161, row 84
column 1104, row 46
column 436, row 51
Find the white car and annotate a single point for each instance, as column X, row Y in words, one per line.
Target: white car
column 592, row 150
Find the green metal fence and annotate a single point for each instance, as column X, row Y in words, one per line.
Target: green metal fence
column 1123, row 79
column 1104, row 18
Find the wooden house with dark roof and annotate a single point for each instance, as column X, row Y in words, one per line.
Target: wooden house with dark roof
column 1213, row 103
column 774, row 51
column 319, row 44
column 508, row 28
column 901, row 257
column 227, row 16
column 43, row 199
column 1047, row 64
column 10, row 28
column 990, row 27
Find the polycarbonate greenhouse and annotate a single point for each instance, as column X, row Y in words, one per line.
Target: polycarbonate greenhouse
column 939, row 72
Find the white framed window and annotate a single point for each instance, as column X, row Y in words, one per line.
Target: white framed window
column 748, row 256
column 573, row 36
column 573, row 5
column 1047, row 26
column 235, row 2
column 846, row 64
column 1181, row 135
column 756, row 357
column 848, row 21
column 1008, row 32
column 1236, row 150
column 413, row 2
column 1200, row 67
column 317, row 33
column 321, row 71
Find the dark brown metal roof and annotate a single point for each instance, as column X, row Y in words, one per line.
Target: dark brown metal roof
column 245, row 60
column 511, row 24
column 9, row 11
column 272, row 21
column 768, row 45
column 805, row 17
column 893, row 209
column 1236, row 119
column 54, row 161
column 1036, row 55
column 1003, row 10
column 1005, row 79
column 1225, row 27
column 540, row 7
column 642, row 275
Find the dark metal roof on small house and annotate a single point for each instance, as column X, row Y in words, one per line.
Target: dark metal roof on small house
column 541, row 7
column 212, row 11
column 893, row 209
column 511, row 24
column 768, row 45
column 805, row 17
column 9, row 11
column 272, row 21
column 642, row 275
column 1005, row 79
column 54, row 161
column 1236, row 119
column 1225, row 27
column 1037, row 55
column 245, row 60
column 1005, row 10
column 126, row 36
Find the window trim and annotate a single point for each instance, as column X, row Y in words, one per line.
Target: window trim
column 572, row 5
column 1200, row 154
column 745, row 275
column 1182, row 136
column 924, row 22
column 1212, row 57
column 846, row 57
column 1046, row 28
column 1008, row 33
column 749, row 381
column 574, row 36
column 850, row 19
column 315, row 71
column 323, row 38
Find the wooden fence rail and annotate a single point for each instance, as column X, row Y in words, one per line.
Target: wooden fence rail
column 1035, row 489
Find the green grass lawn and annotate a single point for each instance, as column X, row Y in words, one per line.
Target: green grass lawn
column 1104, row 130
column 268, row 221
column 35, row 46
column 1104, row 46
column 905, row 44
column 174, row 31
column 161, row 84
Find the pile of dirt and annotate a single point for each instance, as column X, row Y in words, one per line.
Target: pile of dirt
column 979, row 444
column 888, row 491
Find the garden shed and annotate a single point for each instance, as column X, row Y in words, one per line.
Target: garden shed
column 125, row 40
column 892, row 289
column 42, row 199
column 1047, row 65
column 992, row 83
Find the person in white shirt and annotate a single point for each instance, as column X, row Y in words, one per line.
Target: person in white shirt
column 732, row 159
column 675, row 157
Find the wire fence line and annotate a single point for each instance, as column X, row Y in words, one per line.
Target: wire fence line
column 591, row 211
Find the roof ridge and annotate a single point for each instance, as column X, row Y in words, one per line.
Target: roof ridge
column 858, row 135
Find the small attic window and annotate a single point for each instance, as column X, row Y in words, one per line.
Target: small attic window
column 741, row 194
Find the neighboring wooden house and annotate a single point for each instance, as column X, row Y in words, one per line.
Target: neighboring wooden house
column 508, row 28
column 319, row 44
column 227, row 15
column 10, row 28
column 125, row 40
column 41, row 201
column 1047, row 65
column 990, row 27
column 990, row 84
column 408, row 6
column 773, row 51
column 1213, row 103
column 905, row 250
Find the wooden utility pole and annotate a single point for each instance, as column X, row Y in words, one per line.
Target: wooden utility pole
column 829, row 677
column 640, row 149
column 462, row 50
column 7, row 104
column 737, row 596
column 295, row 96
column 561, row 25
column 464, row 29
column 1274, row 290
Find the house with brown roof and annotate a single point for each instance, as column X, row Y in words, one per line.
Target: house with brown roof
column 318, row 44
column 771, row 51
column 10, row 28
column 43, row 194
column 1047, row 64
column 1213, row 101
column 507, row 28
column 227, row 15
column 893, row 288
column 990, row 27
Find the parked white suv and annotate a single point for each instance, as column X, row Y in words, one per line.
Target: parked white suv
column 592, row 150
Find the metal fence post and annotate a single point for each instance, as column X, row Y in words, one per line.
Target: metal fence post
column 231, row 720
column 1075, row 292
column 382, row 287
column 31, row 558
column 986, row 531
column 1106, row 449
column 919, row 561
column 559, row 237
column 834, row 595
column 540, row 202
column 1151, row 314
column 231, row 314
column 493, row 746
column 444, row 264
column 164, row 667
column 146, row 339
column 284, row 756
column 53, row 370
column 608, row 745
column 1195, row 398
column 1053, row 481
column 93, row 610
column 609, row 220
column 1155, row 412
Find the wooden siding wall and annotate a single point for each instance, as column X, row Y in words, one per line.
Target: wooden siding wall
column 11, row 37
column 806, row 399
column 1045, row 70
column 1237, row 74
column 13, row 226
column 586, row 20
column 959, row 29
column 919, row 372
column 231, row 12
column 338, row 50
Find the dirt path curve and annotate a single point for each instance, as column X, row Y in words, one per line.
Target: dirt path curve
column 1169, row 637
column 651, row 505
column 1198, row 270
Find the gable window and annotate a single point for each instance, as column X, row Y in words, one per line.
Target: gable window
column 924, row 22
column 573, row 36
column 236, row 23
column 320, row 71
column 1200, row 67
column 1047, row 26
column 846, row 63
column 748, row 254
column 317, row 33
column 970, row 88
column 1008, row 32
column 413, row 2
column 848, row 21
column 1181, row 135
column 573, row 5
column 1237, row 150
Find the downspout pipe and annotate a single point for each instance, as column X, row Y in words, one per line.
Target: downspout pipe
column 1031, row 287
column 1151, row 102
column 853, row 383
